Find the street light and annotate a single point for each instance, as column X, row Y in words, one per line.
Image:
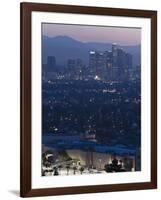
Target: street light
column 100, row 160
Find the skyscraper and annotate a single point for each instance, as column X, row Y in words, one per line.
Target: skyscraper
column 92, row 62
column 51, row 63
column 112, row 65
column 96, row 63
column 114, row 61
column 75, row 68
column 121, row 63
column 108, row 64
column 71, row 65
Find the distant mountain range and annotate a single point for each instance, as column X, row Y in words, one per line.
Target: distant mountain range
column 63, row 48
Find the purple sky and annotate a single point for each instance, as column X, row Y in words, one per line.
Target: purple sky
column 122, row 36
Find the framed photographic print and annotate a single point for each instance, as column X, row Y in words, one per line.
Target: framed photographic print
column 88, row 99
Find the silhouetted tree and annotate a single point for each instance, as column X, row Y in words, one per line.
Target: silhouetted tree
column 81, row 170
column 56, row 171
column 114, row 166
column 68, row 168
column 74, row 169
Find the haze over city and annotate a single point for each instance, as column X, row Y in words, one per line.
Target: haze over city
column 102, row 34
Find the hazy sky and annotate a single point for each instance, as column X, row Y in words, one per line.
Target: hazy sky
column 122, row 36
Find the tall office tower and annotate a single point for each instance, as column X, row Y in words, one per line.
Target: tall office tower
column 79, row 68
column 129, row 60
column 108, row 64
column 128, row 66
column 79, row 63
column 137, row 72
column 51, row 63
column 114, row 53
column 100, row 67
column 121, row 63
column 96, row 63
column 71, row 65
column 92, row 62
column 75, row 68
column 114, row 62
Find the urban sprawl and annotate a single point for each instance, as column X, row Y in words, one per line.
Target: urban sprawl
column 91, row 114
